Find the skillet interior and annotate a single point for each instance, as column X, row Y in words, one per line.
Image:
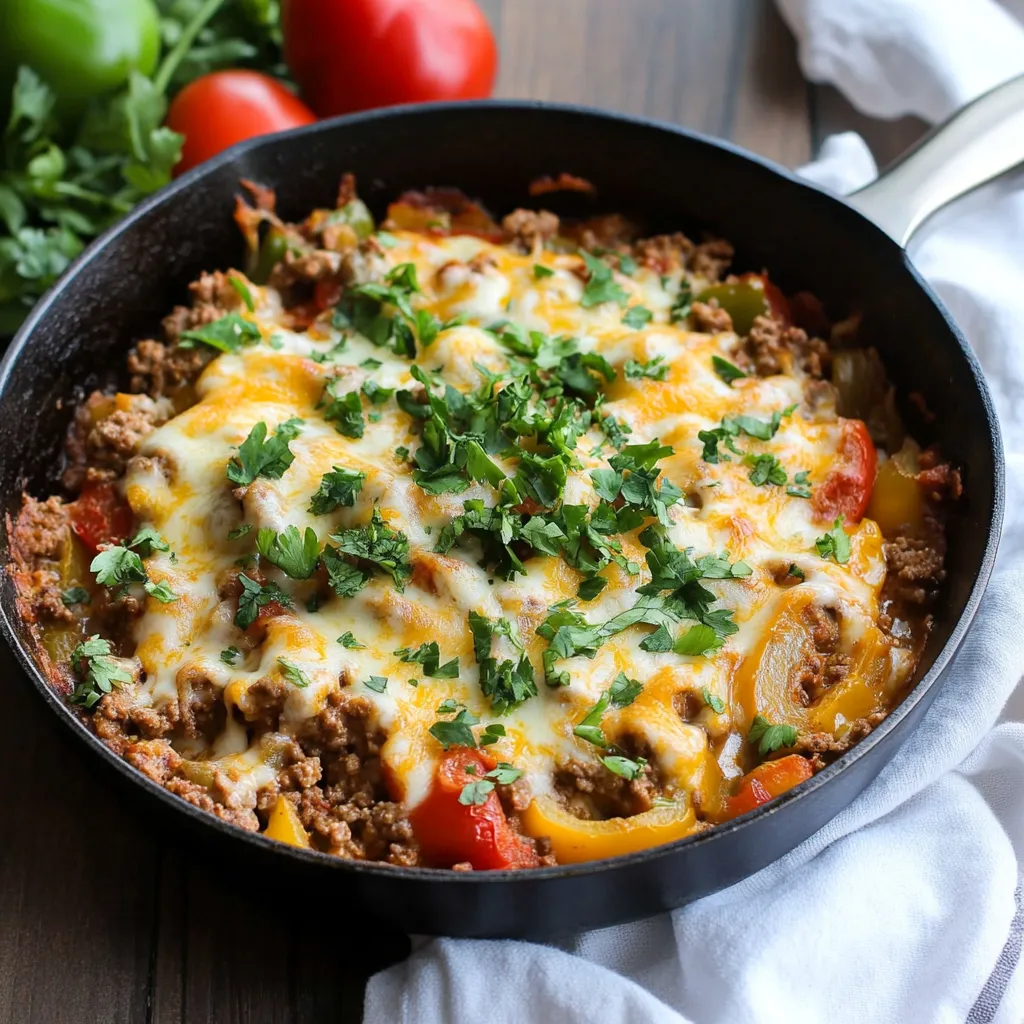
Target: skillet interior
column 668, row 179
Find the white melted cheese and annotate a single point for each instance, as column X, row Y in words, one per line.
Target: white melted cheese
column 184, row 494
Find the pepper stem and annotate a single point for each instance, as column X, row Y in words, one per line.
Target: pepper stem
column 184, row 44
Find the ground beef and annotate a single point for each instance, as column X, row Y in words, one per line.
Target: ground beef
column 822, row 667
column 530, row 228
column 663, row 253
column 608, row 231
column 775, row 348
column 710, row 318
column 157, row 369
column 233, row 804
column 711, row 259
column 592, row 792
column 120, row 719
column 38, row 538
column 820, row 402
column 823, row 747
column 262, row 703
column 202, row 710
column 915, row 568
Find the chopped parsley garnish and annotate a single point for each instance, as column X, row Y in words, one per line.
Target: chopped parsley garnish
column 732, row 426
column 242, row 290
column 726, row 370
column 160, row 591
column 627, row 264
column 377, row 543
column 293, row 673
column 338, row 489
column 491, row 734
column 455, row 732
column 349, row 642
column 540, row 271
column 377, row 394
column 429, row 656
column 591, row 587
column 345, row 410
column 254, row 597
column 637, row 317
column 601, row 286
column 623, row 766
column 654, row 369
column 147, row 540
column 367, row 308
column 715, row 703
column 616, row 431
column 295, row 554
column 698, row 640
column 589, row 728
column 240, row 531
column 658, row 642
column 681, row 304
column 796, row 572
column 768, row 738
column 477, row 791
column 835, row 544
column 800, row 487
column 313, row 602
column 506, row 683
column 74, row 595
column 228, row 334
column 118, row 567
column 259, row 455
column 376, row 683
column 345, row 579
column 624, row 690
column 98, row 671
column 371, row 364
column 766, row 469
column 230, row 655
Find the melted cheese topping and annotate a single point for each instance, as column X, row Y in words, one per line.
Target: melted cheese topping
column 180, row 488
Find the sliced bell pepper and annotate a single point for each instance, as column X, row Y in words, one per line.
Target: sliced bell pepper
column 100, row 515
column 846, row 491
column 746, row 298
column 766, row 782
column 284, row 824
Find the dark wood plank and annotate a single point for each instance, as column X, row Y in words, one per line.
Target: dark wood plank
column 76, row 878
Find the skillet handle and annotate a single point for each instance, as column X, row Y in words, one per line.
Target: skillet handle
column 977, row 144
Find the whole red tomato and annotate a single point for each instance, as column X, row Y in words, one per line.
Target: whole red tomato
column 355, row 54
column 225, row 107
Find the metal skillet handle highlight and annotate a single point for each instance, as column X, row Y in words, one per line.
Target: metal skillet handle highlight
column 977, row 144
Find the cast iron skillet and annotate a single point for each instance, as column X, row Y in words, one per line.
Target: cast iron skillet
column 670, row 178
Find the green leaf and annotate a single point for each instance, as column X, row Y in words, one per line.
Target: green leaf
column 698, row 640
column 540, row 271
column 230, row 655
column 117, row 567
column 835, row 544
column 476, row 792
column 766, row 470
column 456, row 732
column 345, row 579
column 601, row 286
column 74, row 595
column 429, row 656
column 591, row 587
column 376, row 683
column 240, row 531
column 349, row 642
column 657, row 642
column 715, row 703
column 726, row 370
column 654, row 369
column 796, row 572
column 681, row 304
column 769, row 738
column 295, row 554
column 259, row 455
column 98, row 672
column 147, row 540
column 637, row 317
column 624, row 690
column 801, row 485
column 624, row 766
column 161, row 591
column 590, row 727
column 243, row 292
column 504, row 773
column 338, row 489
column 293, row 673
column 254, row 597
column 228, row 334
column 378, row 543
column 375, row 393
column 344, row 410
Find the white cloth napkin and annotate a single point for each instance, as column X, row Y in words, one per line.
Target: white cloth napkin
column 903, row 908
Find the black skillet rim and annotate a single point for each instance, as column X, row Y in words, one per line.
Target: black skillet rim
column 194, row 179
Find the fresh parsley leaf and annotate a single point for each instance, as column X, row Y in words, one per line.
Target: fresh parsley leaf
column 506, row 683
column 338, row 489
column 259, row 455
column 74, row 595
column 601, row 286
column 624, row 766
column 655, row 369
column 491, row 734
column 345, row 410
column 379, row 543
column 456, row 732
column 377, row 394
column 768, row 737
column 429, row 656
column 98, row 672
column 627, row 264
column 295, row 554
column 230, row 655
column 766, row 469
column 657, row 642
column 349, row 642
column 345, row 579
column 228, row 334
column 376, row 683
column 504, row 773
column 161, row 591
column 402, row 453
column 589, row 728
column 540, row 271
column 591, row 587
column 254, row 597
column 476, row 792
column 637, row 317
column 293, row 673
column 715, row 703
column 240, row 531
column 242, row 290
column 726, row 370
column 681, row 304
column 624, row 690
column 801, row 485
column 371, row 364
column 835, row 544
column 796, row 572
column 147, row 540
column 616, row 431
column 699, row 639
column 118, row 567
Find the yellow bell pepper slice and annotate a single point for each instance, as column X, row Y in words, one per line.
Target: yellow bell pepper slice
column 575, row 840
column 284, row 824
column 896, row 501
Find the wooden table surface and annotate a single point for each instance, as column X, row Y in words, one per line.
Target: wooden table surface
column 104, row 919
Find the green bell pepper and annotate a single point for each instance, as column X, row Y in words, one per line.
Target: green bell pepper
column 80, row 48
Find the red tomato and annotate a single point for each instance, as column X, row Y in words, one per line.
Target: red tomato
column 101, row 516
column 847, row 489
column 225, row 107
column 450, row 832
column 355, row 54
column 766, row 782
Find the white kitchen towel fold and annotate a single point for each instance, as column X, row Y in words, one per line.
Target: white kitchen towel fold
column 907, row 907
